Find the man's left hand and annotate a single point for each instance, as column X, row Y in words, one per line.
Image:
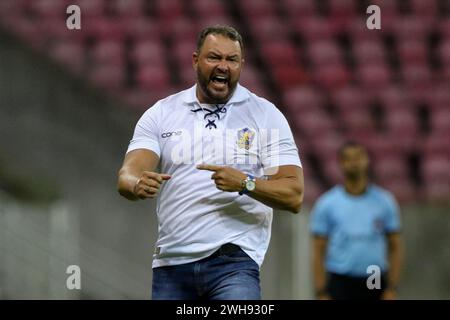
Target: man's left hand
column 225, row 178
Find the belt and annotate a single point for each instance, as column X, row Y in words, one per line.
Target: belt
column 225, row 249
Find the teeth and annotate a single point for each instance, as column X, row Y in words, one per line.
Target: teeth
column 220, row 78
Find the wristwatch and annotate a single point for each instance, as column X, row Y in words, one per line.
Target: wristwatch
column 248, row 184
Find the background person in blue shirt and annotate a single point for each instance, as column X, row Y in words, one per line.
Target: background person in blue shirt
column 354, row 226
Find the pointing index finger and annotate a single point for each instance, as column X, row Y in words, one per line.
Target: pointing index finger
column 208, row 167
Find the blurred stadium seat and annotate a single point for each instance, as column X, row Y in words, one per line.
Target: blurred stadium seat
column 333, row 77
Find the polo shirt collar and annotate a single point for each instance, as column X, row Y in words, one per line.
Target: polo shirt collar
column 240, row 95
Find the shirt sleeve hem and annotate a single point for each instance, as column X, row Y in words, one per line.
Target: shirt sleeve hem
column 144, row 145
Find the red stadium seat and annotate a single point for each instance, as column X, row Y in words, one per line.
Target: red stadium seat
column 169, row 10
column 289, row 76
column 205, row 8
column 91, row 8
column 349, row 98
column 139, row 99
column 257, row 8
column 181, row 29
column 440, row 120
column 187, row 76
column 436, row 167
column 395, row 97
column 182, row 51
column 269, row 29
column 435, row 144
column 250, row 76
column 109, row 77
column 12, row 8
column 153, row 77
column 358, row 121
column 371, row 51
column 49, row 8
column 444, row 52
column 380, row 145
column 128, row 8
column 54, row 28
column 374, row 77
column 326, row 144
column 207, row 21
column 342, row 8
column 412, row 52
column 280, row 53
column 314, row 28
column 403, row 189
column 357, row 30
column 332, row 170
column 314, row 123
column 349, row 71
column 444, row 74
column 424, row 9
column 417, row 79
column 257, row 88
column 299, row 9
column 332, row 77
column 148, row 52
column 303, row 99
column 142, row 99
column 388, row 7
column 438, row 97
column 70, row 54
column 324, row 53
column 342, row 12
column 411, row 27
column 111, row 52
column 140, row 28
column 388, row 166
column 402, row 121
column 103, row 28
column 444, row 27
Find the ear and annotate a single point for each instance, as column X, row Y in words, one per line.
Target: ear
column 195, row 60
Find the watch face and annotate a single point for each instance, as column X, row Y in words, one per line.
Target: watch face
column 250, row 185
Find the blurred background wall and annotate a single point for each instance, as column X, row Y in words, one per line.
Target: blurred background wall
column 69, row 101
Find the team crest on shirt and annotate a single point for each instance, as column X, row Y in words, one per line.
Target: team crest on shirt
column 245, row 138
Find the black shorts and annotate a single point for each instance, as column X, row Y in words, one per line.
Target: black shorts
column 342, row 287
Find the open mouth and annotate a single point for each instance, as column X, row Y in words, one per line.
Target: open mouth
column 219, row 80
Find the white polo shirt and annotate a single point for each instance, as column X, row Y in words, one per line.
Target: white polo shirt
column 194, row 217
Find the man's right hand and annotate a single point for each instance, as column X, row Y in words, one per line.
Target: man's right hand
column 147, row 186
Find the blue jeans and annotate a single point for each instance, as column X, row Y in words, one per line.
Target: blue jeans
column 222, row 276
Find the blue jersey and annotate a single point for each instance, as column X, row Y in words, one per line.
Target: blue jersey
column 356, row 228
